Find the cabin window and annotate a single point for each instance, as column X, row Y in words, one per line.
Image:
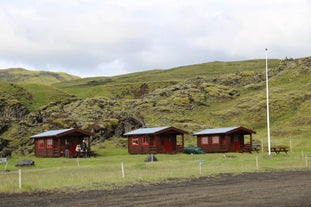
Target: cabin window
column 49, row 143
column 215, row 140
column 204, row 140
column 135, row 141
column 40, row 144
column 144, row 140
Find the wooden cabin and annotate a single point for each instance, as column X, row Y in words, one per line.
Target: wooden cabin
column 230, row 139
column 155, row 140
column 52, row 143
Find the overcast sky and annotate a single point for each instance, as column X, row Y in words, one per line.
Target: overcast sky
column 111, row 37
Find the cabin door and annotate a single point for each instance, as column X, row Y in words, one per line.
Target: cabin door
column 73, row 143
column 236, row 143
column 56, row 151
column 168, row 143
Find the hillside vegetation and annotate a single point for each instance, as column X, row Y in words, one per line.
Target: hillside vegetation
column 129, row 85
column 217, row 94
column 20, row 75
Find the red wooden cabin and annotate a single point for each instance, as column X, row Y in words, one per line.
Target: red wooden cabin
column 155, row 140
column 52, row 143
column 230, row 139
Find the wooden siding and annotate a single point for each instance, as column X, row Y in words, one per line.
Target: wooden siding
column 166, row 143
column 232, row 143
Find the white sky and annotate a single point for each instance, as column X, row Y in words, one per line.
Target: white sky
column 112, row 37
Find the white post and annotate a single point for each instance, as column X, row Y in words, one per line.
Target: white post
column 262, row 146
column 151, row 157
column 267, row 95
column 78, row 161
column 257, row 164
column 20, row 179
column 200, row 166
column 122, row 170
column 306, row 161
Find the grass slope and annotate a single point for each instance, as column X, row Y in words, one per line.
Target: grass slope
column 13, row 93
column 43, row 95
column 123, row 86
column 20, row 75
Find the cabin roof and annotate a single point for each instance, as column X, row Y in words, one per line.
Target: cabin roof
column 154, row 130
column 59, row 132
column 225, row 130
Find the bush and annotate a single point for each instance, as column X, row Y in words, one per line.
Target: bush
column 193, row 150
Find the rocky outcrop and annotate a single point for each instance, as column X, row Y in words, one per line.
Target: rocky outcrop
column 105, row 117
column 4, row 148
column 12, row 109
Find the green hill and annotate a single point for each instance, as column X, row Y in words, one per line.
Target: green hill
column 217, row 94
column 20, row 75
column 129, row 85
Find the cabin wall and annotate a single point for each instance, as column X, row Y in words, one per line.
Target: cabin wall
column 138, row 144
column 46, row 147
column 145, row 144
column 225, row 143
column 213, row 143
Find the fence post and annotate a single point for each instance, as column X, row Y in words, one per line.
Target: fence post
column 306, row 161
column 257, row 164
column 122, row 170
column 20, row 179
column 78, row 161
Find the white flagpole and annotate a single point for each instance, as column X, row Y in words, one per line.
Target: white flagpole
column 267, row 95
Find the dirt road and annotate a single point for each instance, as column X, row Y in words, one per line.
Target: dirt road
column 290, row 188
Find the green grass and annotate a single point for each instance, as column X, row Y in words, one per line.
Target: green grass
column 44, row 94
column 104, row 171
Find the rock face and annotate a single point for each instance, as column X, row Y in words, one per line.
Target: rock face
column 103, row 116
column 4, row 150
column 12, row 110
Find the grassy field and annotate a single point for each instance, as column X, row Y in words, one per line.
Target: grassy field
column 104, row 171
